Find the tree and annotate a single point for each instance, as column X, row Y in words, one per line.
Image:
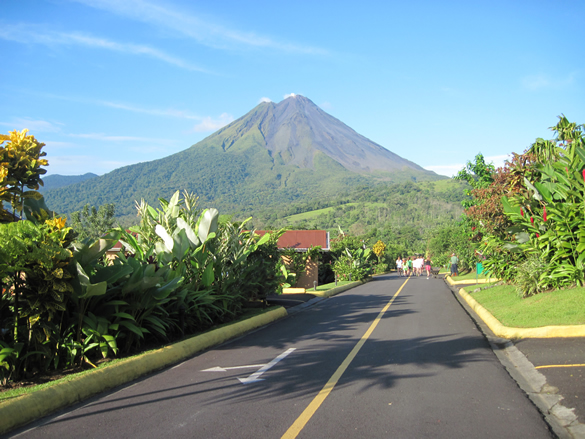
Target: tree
column 20, row 167
column 478, row 174
column 91, row 222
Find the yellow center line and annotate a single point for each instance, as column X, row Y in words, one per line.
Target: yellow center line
column 308, row 413
column 559, row 365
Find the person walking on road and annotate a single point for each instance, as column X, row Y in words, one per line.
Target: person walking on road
column 454, row 262
column 428, row 266
column 399, row 266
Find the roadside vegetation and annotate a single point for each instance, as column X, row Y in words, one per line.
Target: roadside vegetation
column 526, row 219
column 183, row 269
column 559, row 307
column 65, row 304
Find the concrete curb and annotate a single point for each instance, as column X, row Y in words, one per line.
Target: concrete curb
column 27, row 408
column 506, row 332
column 450, row 281
column 336, row 290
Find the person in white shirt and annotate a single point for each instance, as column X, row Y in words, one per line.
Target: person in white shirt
column 416, row 265
column 399, row 266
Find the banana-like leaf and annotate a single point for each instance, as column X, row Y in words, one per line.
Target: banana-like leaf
column 207, row 223
column 86, row 255
column 536, row 194
column 263, row 240
column 164, row 235
column 193, row 239
column 173, row 208
column 543, row 190
column 112, row 273
column 208, row 276
column 181, row 244
column 87, row 288
column 166, row 289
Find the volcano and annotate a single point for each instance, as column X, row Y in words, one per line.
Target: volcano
column 275, row 154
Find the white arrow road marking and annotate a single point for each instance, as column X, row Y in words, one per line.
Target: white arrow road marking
column 255, row 377
column 225, row 369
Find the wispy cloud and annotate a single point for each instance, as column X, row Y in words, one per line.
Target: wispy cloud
column 202, row 29
column 32, row 125
column 81, row 164
column 451, row 170
column 209, row 124
column 169, row 112
column 543, row 81
column 105, row 138
column 165, row 112
column 326, row 105
column 31, row 34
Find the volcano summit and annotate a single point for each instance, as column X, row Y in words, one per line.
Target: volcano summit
column 275, row 154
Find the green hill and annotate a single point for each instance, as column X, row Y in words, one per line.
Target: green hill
column 275, row 155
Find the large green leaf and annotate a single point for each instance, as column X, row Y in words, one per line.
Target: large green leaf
column 87, row 288
column 164, row 235
column 112, row 273
column 207, row 223
column 535, row 194
column 208, row 276
column 193, row 239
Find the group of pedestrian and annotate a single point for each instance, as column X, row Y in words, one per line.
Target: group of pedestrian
column 413, row 265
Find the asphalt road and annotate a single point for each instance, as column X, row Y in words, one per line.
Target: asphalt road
column 562, row 362
column 343, row 368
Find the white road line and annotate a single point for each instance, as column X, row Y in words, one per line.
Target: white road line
column 255, row 377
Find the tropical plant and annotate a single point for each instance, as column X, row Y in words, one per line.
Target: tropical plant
column 20, row 168
column 353, row 265
column 92, row 223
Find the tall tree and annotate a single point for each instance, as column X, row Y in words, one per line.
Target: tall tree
column 93, row 223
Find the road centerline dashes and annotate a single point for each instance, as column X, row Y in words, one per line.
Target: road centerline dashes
column 308, row 413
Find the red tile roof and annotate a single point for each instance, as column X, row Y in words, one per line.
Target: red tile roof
column 302, row 239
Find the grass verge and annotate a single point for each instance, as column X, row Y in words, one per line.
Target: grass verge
column 330, row 286
column 555, row 308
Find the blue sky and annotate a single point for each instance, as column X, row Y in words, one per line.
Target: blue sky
column 107, row 83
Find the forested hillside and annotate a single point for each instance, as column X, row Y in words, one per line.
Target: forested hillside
column 56, row 181
column 399, row 214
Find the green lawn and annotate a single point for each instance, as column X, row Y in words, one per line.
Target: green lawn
column 561, row 307
column 315, row 213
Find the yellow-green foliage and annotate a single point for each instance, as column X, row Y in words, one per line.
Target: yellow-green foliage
column 20, row 167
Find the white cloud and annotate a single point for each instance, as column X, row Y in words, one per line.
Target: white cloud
column 202, row 29
column 169, row 112
column 32, row 125
column 264, row 100
column 209, row 124
column 542, row 81
column 326, row 105
column 105, row 138
column 498, row 160
column 51, row 145
column 290, row 95
column 29, row 34
column 81, row 164
column 447, row 170
column 451, row 170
